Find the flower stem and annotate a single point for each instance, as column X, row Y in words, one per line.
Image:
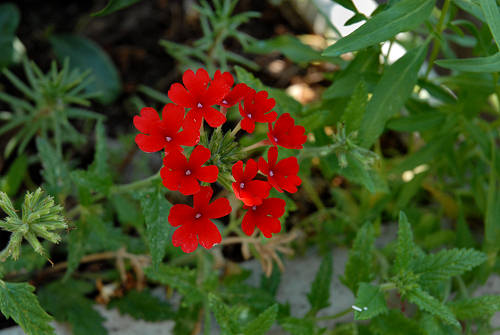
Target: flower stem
column 335, row 316
column 124, row 188
column 236, row 129
column 254, row 146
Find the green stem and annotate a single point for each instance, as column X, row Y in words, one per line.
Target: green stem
column 124, row 188
column 437, row 42
column 335, row 316
column 388, row 286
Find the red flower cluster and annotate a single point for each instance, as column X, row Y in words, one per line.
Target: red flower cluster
column 194, row 102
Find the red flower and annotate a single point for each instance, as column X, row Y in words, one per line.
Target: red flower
column 265, row 217
column 164, row 134
column 183, row 175
column 254, row 109
column 236, row 94
column 195, row 224
column 250, row 191
column 200, row 94
column 286, row 134
column 281, row 175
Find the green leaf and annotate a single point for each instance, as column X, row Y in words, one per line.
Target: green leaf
column 393, row 323
column 479, row 64
column 9, row 20
column 405, row 245
column 428, row 303
column 403, row 16
column 371, row 300
column 223, row 315
column 492, row 16
column 55, row 171
column 302, row 326
column 67, row 302
column 100, row 164
column 263, row 322
column 355, row 108
column 418, row 122
column 445, row 264
column 347, row 4
column 359, row 267
column 391, row 92
column 113, row 6
column 12, row 181
column 156, row 209
column 143, row 305
column 472, row 308
column 182, row 279
column 76, row 245
column 271, row 283
column 320, row 289
column 471, row 7
column 87, row 55
column 18, row 302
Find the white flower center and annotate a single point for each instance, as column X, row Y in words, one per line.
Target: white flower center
column 224, row 102
column 168, row 138
column 271, row 173
column 199, row 105
column 188, row 172
column 242, row 185
column 249, row 116
column 275, row 139
column 197, row 216
column 254, row 207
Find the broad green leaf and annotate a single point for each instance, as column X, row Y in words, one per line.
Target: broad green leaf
column 356, row 108
column 12, row 181
column 348, row 4
column 87, row 55
column 419, row 122
column 471, row 7
column 359, row 267
column 128, row 211
column 371, row 300
column 91, row 181
column 403, row 16
column 181, row 279
column 479, row 64
column 479, row 307
column 9, row 20
column 262, row 323
column 492, row 16
column 18, row 302
column 67, row 302
column 319, row 295
column 155, row 209
column 300, row 326
column 113, row 6
column 445, row 264
column 393, row 323
column 405, row 246
column 428, row 303
column 391, row 92
column 143, row 305
column 55, row 171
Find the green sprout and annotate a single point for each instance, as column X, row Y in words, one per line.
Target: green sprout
column 40, row 217
column 50, row 100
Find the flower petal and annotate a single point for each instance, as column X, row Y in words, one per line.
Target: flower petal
column 185, row 237
column 248, row 223
column 199, row 156
column 268, row 226
column 213, row 117
column 251, row 170
column 179, row 95
column 202, row 198
column 247, row 125
column 181, row 214
column 237, row 170
column 188, row 185
column 208, row 234
column 218, row 208
column 172, row 116
column 175, row 161
column 149, row 143
column 208, row 174
column 148, row 119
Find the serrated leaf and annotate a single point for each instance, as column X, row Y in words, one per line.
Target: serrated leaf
column 492, row 16
column 9, row 21
column 479, row 64
column 355, row 108
column 181, row 279
column 359, row 267
column 263, row 322
column 371, row 300
column 403, row 16
column 55, row 171
column 155, row 209
column 319, row 295
column 76, row 245
column 445, row 264
column 87, row 55
column 18, row 302
column 405, row 245
column 390, row 94
column 223, row 315
column 471, row 308
column 393, row 323
column 428, row 303
column 143, row 305
column 67, row 302
column 113, row 6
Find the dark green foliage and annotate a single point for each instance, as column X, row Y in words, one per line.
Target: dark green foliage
column 319, row 295
column 143, row 305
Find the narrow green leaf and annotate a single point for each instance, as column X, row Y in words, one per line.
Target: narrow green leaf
column 492, row 16
column 359, row 267
column 9, row 20
column 371, row 300
column 405, row 245
column 143, row 305
column 355, row 108
column 223, row 315
column 403, row 16
column 182, row 279
column 391, row 92
column 155, row 209
column 319, row 295
column 348, row 4
column 55, row 171
column 445, row 264
column 15, row 175
column 419, row 122
column 87, row 55
column 100, row 164
column 18, row 302
column 471, row 7
column 479, row 64
column 428, row 303
column 263, row 322
column 480, row 307
column 67, row 302
column 76, row 245
column 113, row 6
